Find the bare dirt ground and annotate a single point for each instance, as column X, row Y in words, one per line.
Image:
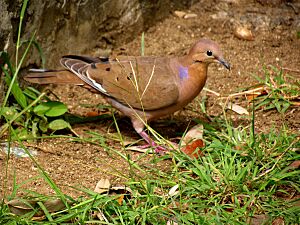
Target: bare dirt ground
column 274, row 25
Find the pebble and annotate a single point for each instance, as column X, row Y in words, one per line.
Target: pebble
column 190, row 15
column 184, row 15
column 220, row 15
column 179, row 14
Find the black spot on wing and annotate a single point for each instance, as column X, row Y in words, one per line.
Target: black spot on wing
column 86, row 59
column 104, row 59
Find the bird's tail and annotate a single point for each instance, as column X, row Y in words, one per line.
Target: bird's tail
column 41, row 76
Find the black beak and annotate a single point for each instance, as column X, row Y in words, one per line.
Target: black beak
column 224, row 63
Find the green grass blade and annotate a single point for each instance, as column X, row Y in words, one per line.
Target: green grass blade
column 24, row 6
column 143, row 44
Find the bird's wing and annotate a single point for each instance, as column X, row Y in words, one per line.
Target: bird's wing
column 147, row 83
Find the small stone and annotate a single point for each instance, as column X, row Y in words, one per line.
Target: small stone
column 232, row 1
column 220, row 15
column 179, row 14
column 190, row 15
column 244, row 33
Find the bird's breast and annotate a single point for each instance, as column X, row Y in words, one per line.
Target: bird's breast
column 192, row 83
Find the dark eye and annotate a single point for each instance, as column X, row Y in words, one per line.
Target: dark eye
column 209, row 53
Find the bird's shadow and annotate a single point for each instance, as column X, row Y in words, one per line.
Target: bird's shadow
column 169, row 127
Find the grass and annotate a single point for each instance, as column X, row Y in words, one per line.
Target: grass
column 233, row 182
column 28, row 109
column 283, row 90
column 242, row 176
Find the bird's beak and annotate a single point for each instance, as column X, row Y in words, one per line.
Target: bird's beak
column 224, row 63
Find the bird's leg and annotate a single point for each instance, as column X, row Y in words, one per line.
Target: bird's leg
column 158, row 149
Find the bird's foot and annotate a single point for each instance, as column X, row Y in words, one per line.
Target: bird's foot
column 152, row 144
column 157, row 148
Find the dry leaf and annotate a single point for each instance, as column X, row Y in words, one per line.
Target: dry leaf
column 21, row 207
column 243, row 33
column 171, row 222
column 100, row 215
column 278, row 221
column 238, row 109
column 102, row 186
column 38, row 218
column 173, row 191
column 120, row 199
column 194, row 133
column 295, row 164
column 258, row 219
column 190, row 149
column 256, row 92
column 92, row 114
column 54, row 205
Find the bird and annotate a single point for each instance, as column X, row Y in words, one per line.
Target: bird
column 143, row 88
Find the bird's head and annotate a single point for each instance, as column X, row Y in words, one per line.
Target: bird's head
column 207, row 51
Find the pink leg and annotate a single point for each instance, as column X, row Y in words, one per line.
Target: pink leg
column 151, row 143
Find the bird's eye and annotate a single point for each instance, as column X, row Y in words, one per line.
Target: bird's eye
column 209, row 53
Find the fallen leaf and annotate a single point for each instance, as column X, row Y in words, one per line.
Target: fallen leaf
column 21, row 207
column 38, row 218
column 54, row 205
column 278, row 221
column 238, row 109
column 190, row 149
column 102, row 186
column 92, row 114
column 256, row 92
column 173, row 190
column 100, row 215
column 194, row 133
column 120, row 199
column 243, row 148
column 172, row 222
column 295, row 164
column 258, row 219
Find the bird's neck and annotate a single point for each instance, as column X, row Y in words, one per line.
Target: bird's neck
column 192, row 79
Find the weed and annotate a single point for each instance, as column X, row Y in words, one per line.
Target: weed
column 27, row 108
column 282, row 90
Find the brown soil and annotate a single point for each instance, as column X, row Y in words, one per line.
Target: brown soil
column 275, row 43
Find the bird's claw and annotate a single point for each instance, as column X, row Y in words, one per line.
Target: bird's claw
column 156, row 148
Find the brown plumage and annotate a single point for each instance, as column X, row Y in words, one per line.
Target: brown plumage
column 143, row 88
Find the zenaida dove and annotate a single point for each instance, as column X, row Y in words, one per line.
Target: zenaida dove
column 143, row 88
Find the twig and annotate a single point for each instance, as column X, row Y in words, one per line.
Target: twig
column 148, row 81
column 213, row 92
column 292, row 70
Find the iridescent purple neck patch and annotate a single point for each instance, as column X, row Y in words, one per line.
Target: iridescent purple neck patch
column 183, row 72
